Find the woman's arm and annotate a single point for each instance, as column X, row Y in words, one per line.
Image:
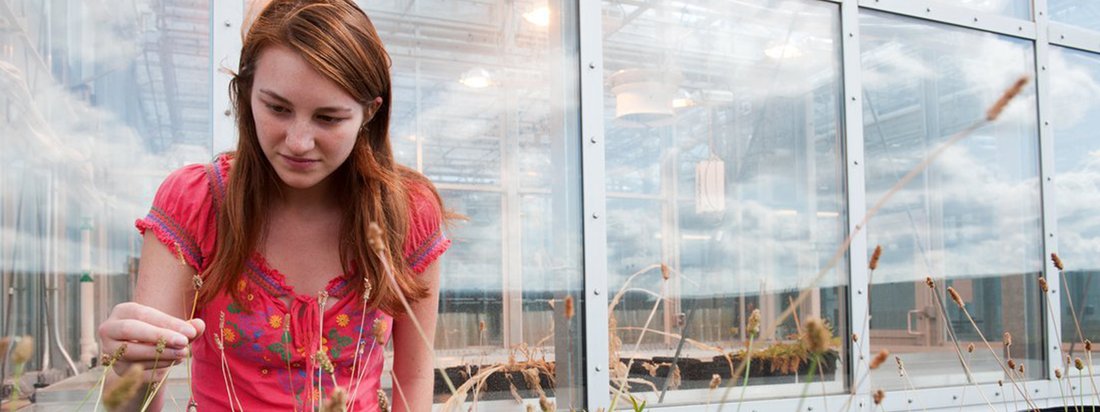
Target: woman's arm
column 162, row 302
column 413, row 362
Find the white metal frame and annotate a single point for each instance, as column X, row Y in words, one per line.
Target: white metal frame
column 225, row 42
column 595, row 227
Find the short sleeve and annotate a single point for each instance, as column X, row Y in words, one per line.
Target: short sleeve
column 183, row 215
column 426, row 240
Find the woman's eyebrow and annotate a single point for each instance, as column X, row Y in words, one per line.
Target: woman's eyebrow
column 283, row 100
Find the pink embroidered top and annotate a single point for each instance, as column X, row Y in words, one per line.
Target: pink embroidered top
column 269, row 361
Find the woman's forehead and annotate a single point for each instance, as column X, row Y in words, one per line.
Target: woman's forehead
column 284, row 73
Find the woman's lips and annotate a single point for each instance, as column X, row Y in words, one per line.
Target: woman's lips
column 298, row 162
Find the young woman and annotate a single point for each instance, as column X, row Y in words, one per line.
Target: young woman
column 260, row 262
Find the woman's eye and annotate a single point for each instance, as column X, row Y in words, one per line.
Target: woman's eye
column 330, row 119
column 278, row 109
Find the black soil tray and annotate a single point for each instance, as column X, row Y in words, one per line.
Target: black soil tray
column 496, row 386
column 694, row 374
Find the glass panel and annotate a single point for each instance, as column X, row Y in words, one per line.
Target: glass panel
column 971, row 220
column 1020, row 9
column 1083, row 13
column 724, row 172
column 485, row 104
column 1074, row 80
column 97, row 105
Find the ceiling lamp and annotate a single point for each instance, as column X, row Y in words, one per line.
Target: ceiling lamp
column 644, row 97
column 539, row 17
column 476, row 78
column 783, row 51
column 710, row 185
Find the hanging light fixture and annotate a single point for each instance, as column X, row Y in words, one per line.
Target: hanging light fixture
column 539, row 16
column 643, row 97
column 710, row 177
column 476, row 78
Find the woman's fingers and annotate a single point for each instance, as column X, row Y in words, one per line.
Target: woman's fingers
column 139, row 352
column 132, row 330
column 157, row 318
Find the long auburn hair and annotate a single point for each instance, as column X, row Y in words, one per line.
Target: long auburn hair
column 340, row 42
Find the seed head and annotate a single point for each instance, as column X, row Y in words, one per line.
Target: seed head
column 374, row 238
column 122, row 390
column 24, row 349
column 545, row 403
column 569, row 309
column 1077, row 363
column 1058, row 373
column 161, row 343
column 1011, row 364
column 665, row 272
column 873, row 264
column 878, row 396
column 383, row 401
column 1088, row 345
column 1011, row 92
column 1043, row 284
column 1000, row 382
column 715, row 380
column 754, row 322
column 1021, row 368
column 323, row 361
column 378, row 329
column 955, row 296
column 1057, row 261
column 970, row 348
column 197, row 281
column 855, row 337
column 880, row 358
column 931, row 283
column 5, row 343
column 817, row 336
column 337, row 402
column 367, row 288
column 1007, row 339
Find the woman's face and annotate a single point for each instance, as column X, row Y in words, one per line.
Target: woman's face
column 306, row 123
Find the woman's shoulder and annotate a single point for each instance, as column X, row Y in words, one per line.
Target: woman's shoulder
column 197, row 179
column 184, row 209
column 426, row 239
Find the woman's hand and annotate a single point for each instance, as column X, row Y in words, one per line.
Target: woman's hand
column 142, row 328
column 162, row 299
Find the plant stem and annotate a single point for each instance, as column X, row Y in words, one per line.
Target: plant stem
column 748, row 367
column 997, row 358
column 806, row 388
column 638, row 343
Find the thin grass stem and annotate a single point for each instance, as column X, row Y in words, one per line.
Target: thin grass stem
column 637, row 344
column 745, row 379
column 809, row 380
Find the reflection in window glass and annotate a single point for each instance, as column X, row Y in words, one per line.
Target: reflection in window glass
column 1075, row 93
column 1020, row 9
column 1082, row 13
column 485, row 99
column 725, row 173
column 97, row 105
column 971, row 220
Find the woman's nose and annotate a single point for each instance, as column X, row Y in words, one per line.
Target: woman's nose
column 299, row 137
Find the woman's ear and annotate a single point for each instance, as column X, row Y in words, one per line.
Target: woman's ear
column 372, row 108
